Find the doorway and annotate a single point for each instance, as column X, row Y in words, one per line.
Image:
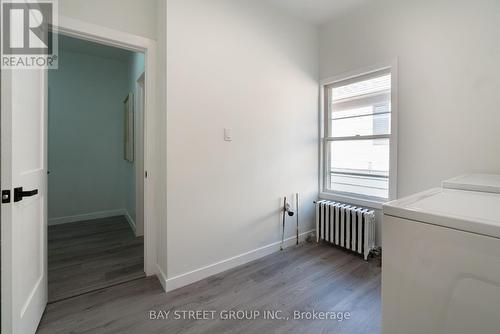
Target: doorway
column 24, row 287
column 95, row 168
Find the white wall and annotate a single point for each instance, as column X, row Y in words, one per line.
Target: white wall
column 449, row 79
column 161, row 197
column 241, row 65
column 133, row 16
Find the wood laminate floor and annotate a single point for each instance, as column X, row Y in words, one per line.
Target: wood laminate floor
column 308, row 277
column 90, row 255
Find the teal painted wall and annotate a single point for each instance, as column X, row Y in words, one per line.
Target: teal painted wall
column 87, row 171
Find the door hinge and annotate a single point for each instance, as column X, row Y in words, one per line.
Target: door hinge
column 146, row 174
column 5, row 196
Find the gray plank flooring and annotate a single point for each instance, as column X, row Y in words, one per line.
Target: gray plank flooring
column 91, row 255
column 303, row 278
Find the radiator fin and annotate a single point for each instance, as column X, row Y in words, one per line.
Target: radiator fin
column 346, row 226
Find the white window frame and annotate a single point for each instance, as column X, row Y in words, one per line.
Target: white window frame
column 349, row 198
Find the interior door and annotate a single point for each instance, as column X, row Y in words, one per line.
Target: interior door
column 23, row 211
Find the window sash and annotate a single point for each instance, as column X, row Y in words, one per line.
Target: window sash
column 328, row 171
column 360, row 137
column 362, row 115
column 375, row 176
column 358, row 78
column 370, row 99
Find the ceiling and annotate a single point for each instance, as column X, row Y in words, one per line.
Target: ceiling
column 316, row 11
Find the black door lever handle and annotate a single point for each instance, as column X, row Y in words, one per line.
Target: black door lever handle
column 19, row 193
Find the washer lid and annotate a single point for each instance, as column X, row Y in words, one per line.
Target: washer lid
column 476, row 182
column 471, row 211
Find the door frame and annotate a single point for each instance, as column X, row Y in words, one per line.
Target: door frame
column 140, row 90
column 107, row 36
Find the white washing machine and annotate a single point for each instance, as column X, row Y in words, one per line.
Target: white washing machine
column 441, row 262
column 475, row 182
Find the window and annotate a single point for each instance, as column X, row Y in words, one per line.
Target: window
column 357, row 141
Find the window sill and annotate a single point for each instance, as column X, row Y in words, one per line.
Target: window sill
column 372, row 204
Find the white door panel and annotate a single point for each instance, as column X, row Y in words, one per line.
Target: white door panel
column 24, row 225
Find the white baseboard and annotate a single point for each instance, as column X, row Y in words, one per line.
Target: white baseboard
column 93, row 215
column 130, row 221
column 85, row 216
column 162, row 277
column 176, row 282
